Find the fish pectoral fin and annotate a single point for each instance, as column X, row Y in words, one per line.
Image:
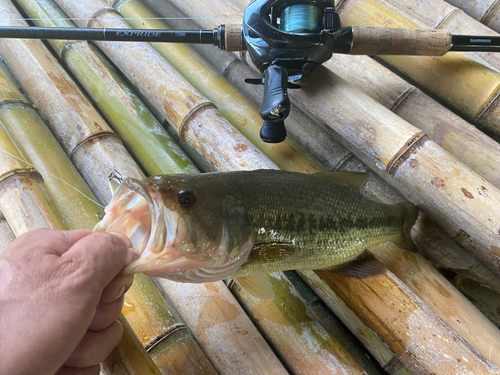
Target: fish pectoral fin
column 364, row 266
column 355, row 180
column 257, row 285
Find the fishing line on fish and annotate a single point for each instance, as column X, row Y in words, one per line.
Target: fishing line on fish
column 58, row 178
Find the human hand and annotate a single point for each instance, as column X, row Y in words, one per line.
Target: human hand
column 60, row 296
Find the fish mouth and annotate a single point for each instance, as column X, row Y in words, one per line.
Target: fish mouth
column 137, row 211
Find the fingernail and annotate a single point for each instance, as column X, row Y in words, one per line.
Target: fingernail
column 118, row 294
column 124, row 238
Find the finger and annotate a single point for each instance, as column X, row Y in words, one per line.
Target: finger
column 100, row 257
column 117, row 287
column 94, row 370
column 95, row 346
column 106, row 314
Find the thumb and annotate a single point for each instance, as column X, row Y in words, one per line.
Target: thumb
column 100, row 256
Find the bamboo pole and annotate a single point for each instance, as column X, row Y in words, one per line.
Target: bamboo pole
column 194, row 118
column 79, row 128
column 485, row 11
column 21, row 186
column 27, row 205
column 455, row 135
column 184, row 2
column 323, row 354
column 117, row 101
column 202, row 339
column 242, row 113
column 304, row 132
column 440, row 15
column 446, row 254
column 485, row 299
column 76, row 205
column 471, row 87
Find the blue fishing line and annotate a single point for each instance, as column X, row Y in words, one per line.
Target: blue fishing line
column 301, row 18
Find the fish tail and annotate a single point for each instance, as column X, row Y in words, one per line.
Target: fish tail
column 409, row 217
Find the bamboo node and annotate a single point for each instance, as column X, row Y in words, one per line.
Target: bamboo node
column 447, row 17
column 93, row 18
column 191, row 112
column 169, row 332
column 100, row 134
column 487, row 13
column 5, row 103
column 20, row 171
column 401, row 98
column 410, row 147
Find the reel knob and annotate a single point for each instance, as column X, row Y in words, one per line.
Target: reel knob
column 273, row 132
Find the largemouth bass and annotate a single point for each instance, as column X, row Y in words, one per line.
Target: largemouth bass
column 211, row 226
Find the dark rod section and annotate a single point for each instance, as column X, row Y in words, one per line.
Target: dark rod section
column 475, row 43
column 113, row 35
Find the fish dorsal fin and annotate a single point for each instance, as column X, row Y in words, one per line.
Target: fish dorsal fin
column 355, row 180
column 257, row 285
column 364, row 266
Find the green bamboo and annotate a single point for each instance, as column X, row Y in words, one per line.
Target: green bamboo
column 241, row 112
column 164, row 157
column 125, row 112
column 29, row 206
column 42, row 150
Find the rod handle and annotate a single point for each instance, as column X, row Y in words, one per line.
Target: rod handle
column 390, row 41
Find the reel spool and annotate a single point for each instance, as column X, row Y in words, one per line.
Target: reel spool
column 285, row 40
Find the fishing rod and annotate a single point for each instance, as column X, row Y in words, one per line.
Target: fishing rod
column 285, row 39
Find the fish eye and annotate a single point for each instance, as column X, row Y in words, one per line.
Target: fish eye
column 187, row 198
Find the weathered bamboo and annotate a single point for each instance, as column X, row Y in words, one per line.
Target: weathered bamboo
column 183, row 2
column 82, row 132
column 27, row 205
column 485, row 299
column 454, row 134
column 242, row 113
column 218, row 360
column 322, row 352
column 23, row 123
column 305, row 133
column 158, row 141
column 485, row 11
column 471, row 87
column 451, row 303
column 420, row 345
column 440, row 15
column 158, row 324
column 195, row 119
column 21, row 186
column 128, row 116
column 444, row 253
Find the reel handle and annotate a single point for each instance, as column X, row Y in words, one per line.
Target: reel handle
column 275, row 106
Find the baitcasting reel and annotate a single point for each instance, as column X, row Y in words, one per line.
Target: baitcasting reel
column 285, row 40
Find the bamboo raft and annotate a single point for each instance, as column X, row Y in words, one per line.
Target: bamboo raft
column 185, row 109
